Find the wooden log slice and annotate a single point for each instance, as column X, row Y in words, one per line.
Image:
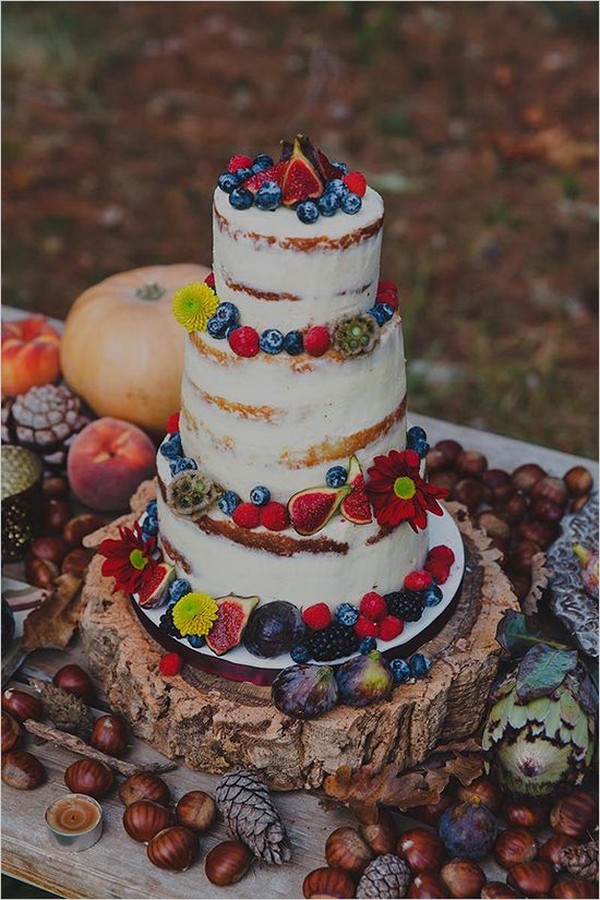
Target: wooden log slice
column 216, row 725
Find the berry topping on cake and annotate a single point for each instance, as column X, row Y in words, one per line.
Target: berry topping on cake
column 307, row 211
column 405, row 605
column 311, row 510
column 366, row 627
column 387, row 292
column 246, row 515
column 417, row 580
column 390, row 627
column 268, row 196
column 367, row 644
column 337, row 187
column 336, row 476
column 241, row 198
column 346, row 614
column 274, row 516
column 328, row 204
column 373, row 606
column 273, row 174
column 355, row 507
column 228, row 181
column 293, row 343
column 244, row 341
column 178, row 589
column 182, row 464
column 260, row 495
column 229, row 502
column 443, row 553
column 335, row 641
column 317, row 616
column 439, row 562
column 300, row 181
column 381, row 312
column 173, row 423
column 195, row 640
column 351, row 204
column 171, row 447
column 232, row 618
column 240, row 161
column 317, row 340
column 167, row 625
column 227, row 314
column 209, row 281
column 432, row 595
column 271, row 341
column 356, row 183
column 262, row 162
column 170, row 664
column 416, row 439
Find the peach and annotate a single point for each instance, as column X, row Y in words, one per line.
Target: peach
column 108, row 461
column 30, row 355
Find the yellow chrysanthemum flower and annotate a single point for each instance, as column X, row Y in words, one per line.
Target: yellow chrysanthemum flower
column 193, row 305
column 195, row 613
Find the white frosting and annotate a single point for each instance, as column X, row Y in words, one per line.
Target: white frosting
column 251, row 249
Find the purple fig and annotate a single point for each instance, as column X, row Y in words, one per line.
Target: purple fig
column 365, row 679
column 304, row 692
column 468, row 830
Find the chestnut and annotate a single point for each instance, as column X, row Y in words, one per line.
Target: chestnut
column 525, row 476
column 428, row 887
column 327, row 882
column 447, row 478
column 544, row 510
column 541, row 533
column 144, row 819
column 519, row 560
column 469, row 492
column 574, row 814
column 79, row 527
column 578, row 481
column 552, row 489
column 21, row 704
column 109, row 735
column 577, row 504
column 55, row 515
column 533, row 879
column 40, row 572
column 91, row 777
column 430, row 813
column 55, row 486
column 493, row 525
column 381, row 835
column 227, row 863
column 346, row 849
column 483, row 790
column 500, row 484
column 497, row 890
column 174, row 848
column 22, row 770
column 551, row 850
column 50, row 547
column 10, row 732
column 513, row 509
column 574, row 887
column 196, row 810
column 421, row 849
column 444, row 455
column 144, row 786
column 514, row 845
column 471, row 464
column 463, row 878
column 75, row 680
column 76, row 562
column 524, row 814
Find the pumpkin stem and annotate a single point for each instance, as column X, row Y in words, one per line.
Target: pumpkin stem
column 151, row 291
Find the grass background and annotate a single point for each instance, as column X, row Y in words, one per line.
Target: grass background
column 477, row 121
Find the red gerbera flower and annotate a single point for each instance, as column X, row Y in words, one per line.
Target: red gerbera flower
column 129, row 560
column 397, row 492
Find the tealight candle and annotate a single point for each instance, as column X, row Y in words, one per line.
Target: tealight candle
column 75, row 821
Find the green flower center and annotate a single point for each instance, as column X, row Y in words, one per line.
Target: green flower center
column 404, row 488
column 137, row 559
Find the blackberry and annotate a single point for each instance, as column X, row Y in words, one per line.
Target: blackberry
column 334, row 641
column 168, row 625
column 405, row 605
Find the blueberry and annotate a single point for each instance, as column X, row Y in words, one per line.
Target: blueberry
column 196, row 640
column 271, row 341
column 244, row 173
column 227, row 313
column 416, row 439
column 340, row 165
column 367, row 644
column 228, row 181
column 346, row 614
column 336, row 186
column 381, row 312
column 215, row 328
column 293, row 343
column 336, row 476
column 268, row 196
column 178, row 589
column 181, row 464
column 419, row 665
column 229, row 502
column 261, row 162
column 300, row 654
column 241, row 198
column 400, row 670
column 307, row 211
column 150, row 526
column 432, row 595
column 152, row 508
column 171, row 448
column 329, row 204
column 231, row 328
column 260, row 495
column 351, row 204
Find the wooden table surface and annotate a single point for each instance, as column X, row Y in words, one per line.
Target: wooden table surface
column 117, row 866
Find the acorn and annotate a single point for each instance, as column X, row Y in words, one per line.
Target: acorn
column 552, row 489
column 469, row 492
column 444, row 455
column 10, row 732
column 421, row 849
column 532, row 879
column 471, row 464
column 483, row 790
column 574, row 814
column 500, row 484
column 381, row 835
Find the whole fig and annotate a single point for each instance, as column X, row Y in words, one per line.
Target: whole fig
column 365, row 679
column 304, row 692
column 274, row 629
column 468, row 830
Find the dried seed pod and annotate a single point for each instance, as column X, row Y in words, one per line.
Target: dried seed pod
column 227, row 863
column 22, row 770
column 346, row 849
column 91, row 777
column 145, row 819
column 144, row 786
column 174, row 848
column 196, row 810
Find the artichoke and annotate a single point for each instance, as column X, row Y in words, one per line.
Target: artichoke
column 541, row 728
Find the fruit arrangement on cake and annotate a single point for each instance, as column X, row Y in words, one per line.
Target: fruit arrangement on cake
column 292, row 518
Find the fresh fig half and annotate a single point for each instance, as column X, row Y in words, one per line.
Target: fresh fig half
column 356, row 507
column 231, row 621
column 154, row 590
column 311, row 509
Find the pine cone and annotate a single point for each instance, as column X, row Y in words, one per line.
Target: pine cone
column 244, row 801
column 45, row 420
column 386, row 876
column 581, row 861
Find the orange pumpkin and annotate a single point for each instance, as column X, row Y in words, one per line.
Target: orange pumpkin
column 122, row 349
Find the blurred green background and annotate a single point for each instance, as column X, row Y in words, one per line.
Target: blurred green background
column 477, row 122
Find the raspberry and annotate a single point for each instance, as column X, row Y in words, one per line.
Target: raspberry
column 390, row 627
column 317, row 340
column 387, row 292
column 418, row 580
column 209, row 281
column 246, row 515
column 173, row 423
column 274, row 516
column 317, row 617
column 442, row 552
column 170, row 664
column 239, row 162
column 244, row 341
column 438, row 569
column 373, row 607
column 366, row 627
column 356, row 183
column 387, row 286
